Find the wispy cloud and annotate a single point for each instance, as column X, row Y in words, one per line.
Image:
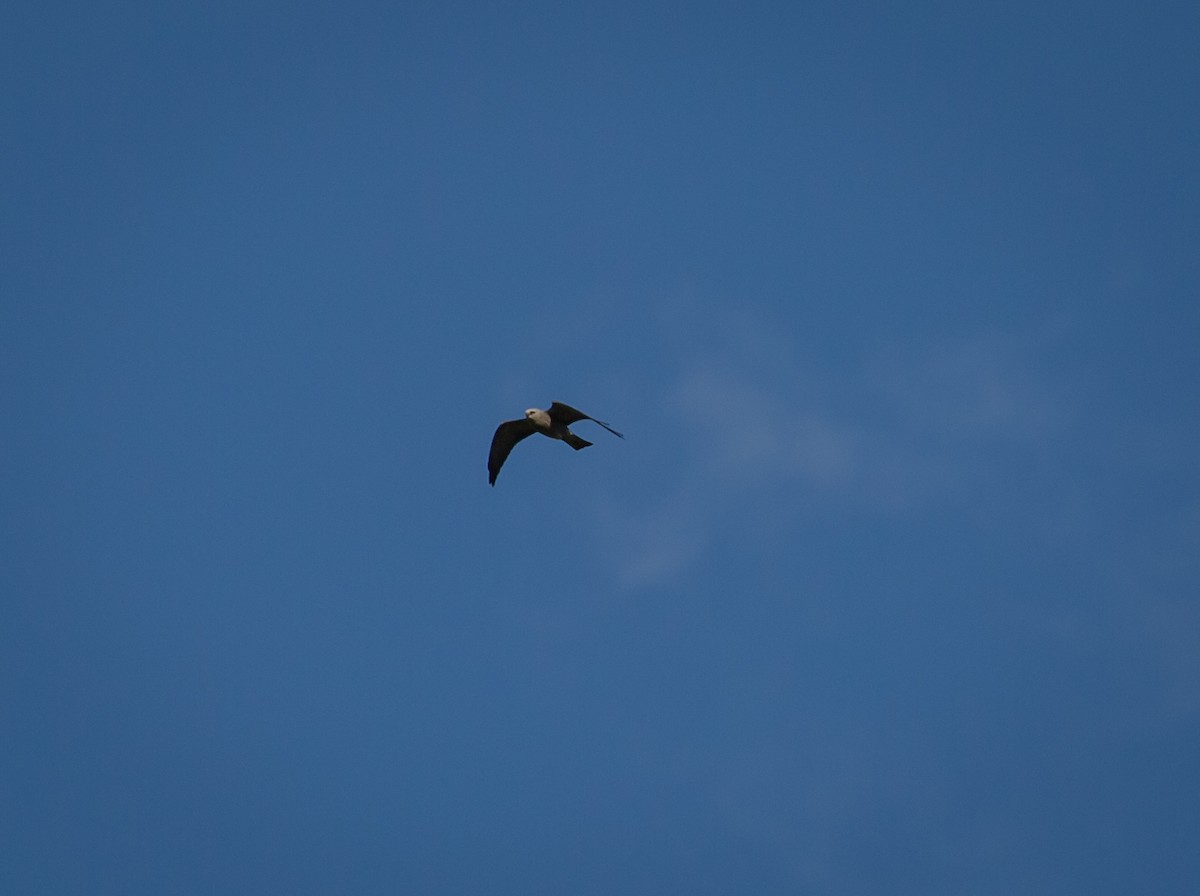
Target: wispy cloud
column 751, row 421
column 753, row 435
column 990, row 430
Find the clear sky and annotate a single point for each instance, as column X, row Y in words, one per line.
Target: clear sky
column 892, row 588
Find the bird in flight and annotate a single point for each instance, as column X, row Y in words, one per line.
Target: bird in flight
column 552, row 423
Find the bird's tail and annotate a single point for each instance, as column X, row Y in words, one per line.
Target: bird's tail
column 575, row 442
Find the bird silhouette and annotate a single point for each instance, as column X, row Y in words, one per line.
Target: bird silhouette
column 552, row 423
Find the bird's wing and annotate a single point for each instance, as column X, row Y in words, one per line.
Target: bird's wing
column 507, row 434
column 566, row 415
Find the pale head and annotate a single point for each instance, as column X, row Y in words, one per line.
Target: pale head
column 538, row 418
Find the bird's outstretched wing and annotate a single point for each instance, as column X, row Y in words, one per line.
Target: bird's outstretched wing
column 566, row 415
column 507, row 434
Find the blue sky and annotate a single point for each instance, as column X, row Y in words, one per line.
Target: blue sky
column 893, row 587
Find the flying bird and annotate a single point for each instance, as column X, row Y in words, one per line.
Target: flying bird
column 552, row 423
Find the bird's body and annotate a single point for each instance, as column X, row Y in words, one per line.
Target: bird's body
column 553, row 423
